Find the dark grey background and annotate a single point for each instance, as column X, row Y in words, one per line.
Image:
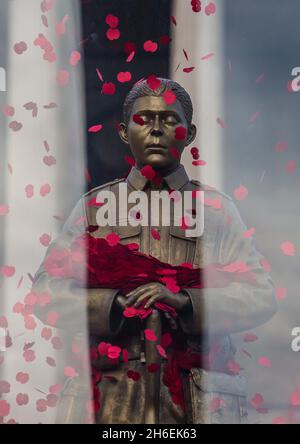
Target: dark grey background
column 139, row 21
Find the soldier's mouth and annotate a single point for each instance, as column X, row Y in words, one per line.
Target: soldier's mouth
column 156, row 148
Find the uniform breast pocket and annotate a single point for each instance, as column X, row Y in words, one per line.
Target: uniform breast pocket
column 129, row 234
column 182, row 248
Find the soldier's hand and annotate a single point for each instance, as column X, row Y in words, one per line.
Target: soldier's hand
column 172, row 322
column 121, row 302
column 157, row 292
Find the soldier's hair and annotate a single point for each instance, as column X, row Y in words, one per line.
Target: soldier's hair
column 141, row 89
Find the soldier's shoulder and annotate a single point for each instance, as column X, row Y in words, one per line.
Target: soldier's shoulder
column 214, row 192
column 105, row 186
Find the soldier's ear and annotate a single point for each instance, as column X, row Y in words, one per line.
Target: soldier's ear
column 191, row 134
column 123, row 132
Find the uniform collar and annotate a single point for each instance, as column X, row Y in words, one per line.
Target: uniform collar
column 175, row 180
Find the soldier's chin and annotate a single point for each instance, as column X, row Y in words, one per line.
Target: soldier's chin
column 157, row 160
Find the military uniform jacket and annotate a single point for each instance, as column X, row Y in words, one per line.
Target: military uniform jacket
column 216, row 312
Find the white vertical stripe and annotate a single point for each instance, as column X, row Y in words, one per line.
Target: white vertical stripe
column 32, row 79
column 201, row 35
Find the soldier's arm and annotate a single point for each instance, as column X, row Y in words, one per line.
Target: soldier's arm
column 71, row 301
column 239, row 306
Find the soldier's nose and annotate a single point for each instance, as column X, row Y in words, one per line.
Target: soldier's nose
column 156, row 130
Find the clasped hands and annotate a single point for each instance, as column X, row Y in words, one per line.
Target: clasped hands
column 154, row 292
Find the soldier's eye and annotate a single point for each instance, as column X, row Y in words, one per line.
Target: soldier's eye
column 146, row 118
column 171, row 121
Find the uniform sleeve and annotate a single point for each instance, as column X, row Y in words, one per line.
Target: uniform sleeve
column 239, row 306
column 71, row 302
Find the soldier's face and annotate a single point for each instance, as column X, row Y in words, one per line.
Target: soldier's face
column 156, row 142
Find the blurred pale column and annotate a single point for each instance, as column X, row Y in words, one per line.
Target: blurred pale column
column 57, row 132
column 201, row 35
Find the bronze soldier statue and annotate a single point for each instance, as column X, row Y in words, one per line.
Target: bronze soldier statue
column 206, row 317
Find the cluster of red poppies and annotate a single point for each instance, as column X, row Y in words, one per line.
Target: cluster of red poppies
column 113, row 32
column 195, row 153
column 196, row 5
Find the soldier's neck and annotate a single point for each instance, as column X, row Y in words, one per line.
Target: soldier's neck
column 163, row 172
